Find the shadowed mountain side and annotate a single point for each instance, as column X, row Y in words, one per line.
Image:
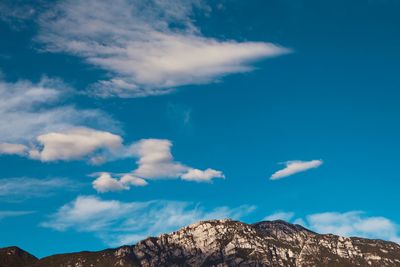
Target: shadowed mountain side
column 16, row 257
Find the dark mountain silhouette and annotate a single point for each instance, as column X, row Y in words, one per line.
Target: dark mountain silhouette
column 16, row 257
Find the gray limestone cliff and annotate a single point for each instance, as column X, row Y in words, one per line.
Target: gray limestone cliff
column 233, row 243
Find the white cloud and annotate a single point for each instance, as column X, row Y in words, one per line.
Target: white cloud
column 147, row 47
column 43, row 130
column 31, row 109
column 286, row 216
column 351, row 223
column 106, row 183
column 119, row 223
column 200, row 176
column 132, row 180
column 71, row 144
column 89, row 213
column 14, row 189
column 13, row 149
column 75, row 143
column 296, row 166
column 354, row 223
column 156, row 162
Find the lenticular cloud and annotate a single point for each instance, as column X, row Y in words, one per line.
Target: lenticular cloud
column 143, row 54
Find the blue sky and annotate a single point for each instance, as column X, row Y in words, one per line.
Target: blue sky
column 124, row 121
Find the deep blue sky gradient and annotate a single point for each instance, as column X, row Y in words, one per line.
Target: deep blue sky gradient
column 335, row 97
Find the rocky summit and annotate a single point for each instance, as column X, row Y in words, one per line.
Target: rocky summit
column 227, row 243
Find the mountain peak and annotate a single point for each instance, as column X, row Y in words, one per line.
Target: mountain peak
column 15, row 257
column 233, row 243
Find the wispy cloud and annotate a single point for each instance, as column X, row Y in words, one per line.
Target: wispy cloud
column 118, row 223
column 280, row 215
column 354, row 223
column 28, row 110
column 181, row 117
column 351, row 223
column 16, row 13
column 12, row 213
column 295, row 166
column 15, row 189
column 147, row 47
column 12, row 149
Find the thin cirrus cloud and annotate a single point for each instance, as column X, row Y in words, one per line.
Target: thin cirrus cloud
column 12, row 213
column 16, row 13
column 21, row 188
column 147, row 47
column 351, row 223
column 295, row 166
column 354, row 223
column 28, row 110
column 119, row 223
column 280, row 215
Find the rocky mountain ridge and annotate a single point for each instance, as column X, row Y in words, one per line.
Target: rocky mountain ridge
column 227, row 243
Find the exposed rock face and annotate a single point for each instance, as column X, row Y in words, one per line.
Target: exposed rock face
column 232, row 243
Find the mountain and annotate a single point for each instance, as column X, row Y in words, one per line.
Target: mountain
column 227, row 243
column 16, row 257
